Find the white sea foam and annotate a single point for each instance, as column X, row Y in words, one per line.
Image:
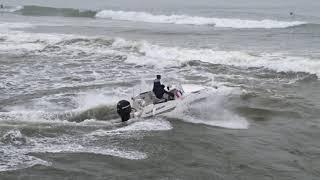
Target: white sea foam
column 13, row 137
column 145, row 53
column 227, row 120
column 13, row 158
column 154, row 124
column 174, row 56
column 208, row 108
column 194, row 20
column 189, row 88
column 78, row 148
column 21, row 42
column 11, row 9
column 24, row 118
column 5, row 26
column 95, row 98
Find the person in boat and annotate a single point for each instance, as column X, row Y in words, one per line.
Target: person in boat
column 159, row 89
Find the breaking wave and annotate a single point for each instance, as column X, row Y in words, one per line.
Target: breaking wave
column 147, row 54
column 174, row 56
column 152, row 18
column 195, row 20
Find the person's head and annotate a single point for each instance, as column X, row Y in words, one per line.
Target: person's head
column 158, row 76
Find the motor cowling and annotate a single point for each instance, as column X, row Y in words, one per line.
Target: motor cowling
column 124, row 110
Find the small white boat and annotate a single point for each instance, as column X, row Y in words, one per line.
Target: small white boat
column 147, row 104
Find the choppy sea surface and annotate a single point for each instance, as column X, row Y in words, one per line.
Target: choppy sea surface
column 65, row 65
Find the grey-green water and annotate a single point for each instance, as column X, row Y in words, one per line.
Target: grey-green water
column 64, row 66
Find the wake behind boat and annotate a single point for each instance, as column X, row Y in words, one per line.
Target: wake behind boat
column 143, row 105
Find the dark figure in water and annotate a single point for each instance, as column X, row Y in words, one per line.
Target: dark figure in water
column 158, row 89
column 1, row 6
column 291, row 14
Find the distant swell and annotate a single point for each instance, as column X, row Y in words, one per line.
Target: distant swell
column 195, row 20
column 151, row 18
column 10, row 9
column 50, row 11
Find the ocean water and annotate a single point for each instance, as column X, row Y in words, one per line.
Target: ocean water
column 65, row 64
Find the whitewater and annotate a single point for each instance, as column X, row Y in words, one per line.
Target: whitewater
column 64, row 65
column 152, row 18
column 195, row 20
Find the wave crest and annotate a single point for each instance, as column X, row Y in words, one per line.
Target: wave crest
column 195, row 20
column 134, row 16
column 147, row 54
column 51, row 11
column 11, row 9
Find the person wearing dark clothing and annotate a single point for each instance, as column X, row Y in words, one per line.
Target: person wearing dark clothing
column 159, row 89
column 156, row 82
column 1, row 6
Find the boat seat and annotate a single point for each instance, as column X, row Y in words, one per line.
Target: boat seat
column 158, row 101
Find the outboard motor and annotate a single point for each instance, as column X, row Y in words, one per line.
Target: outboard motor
column 124, row 110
